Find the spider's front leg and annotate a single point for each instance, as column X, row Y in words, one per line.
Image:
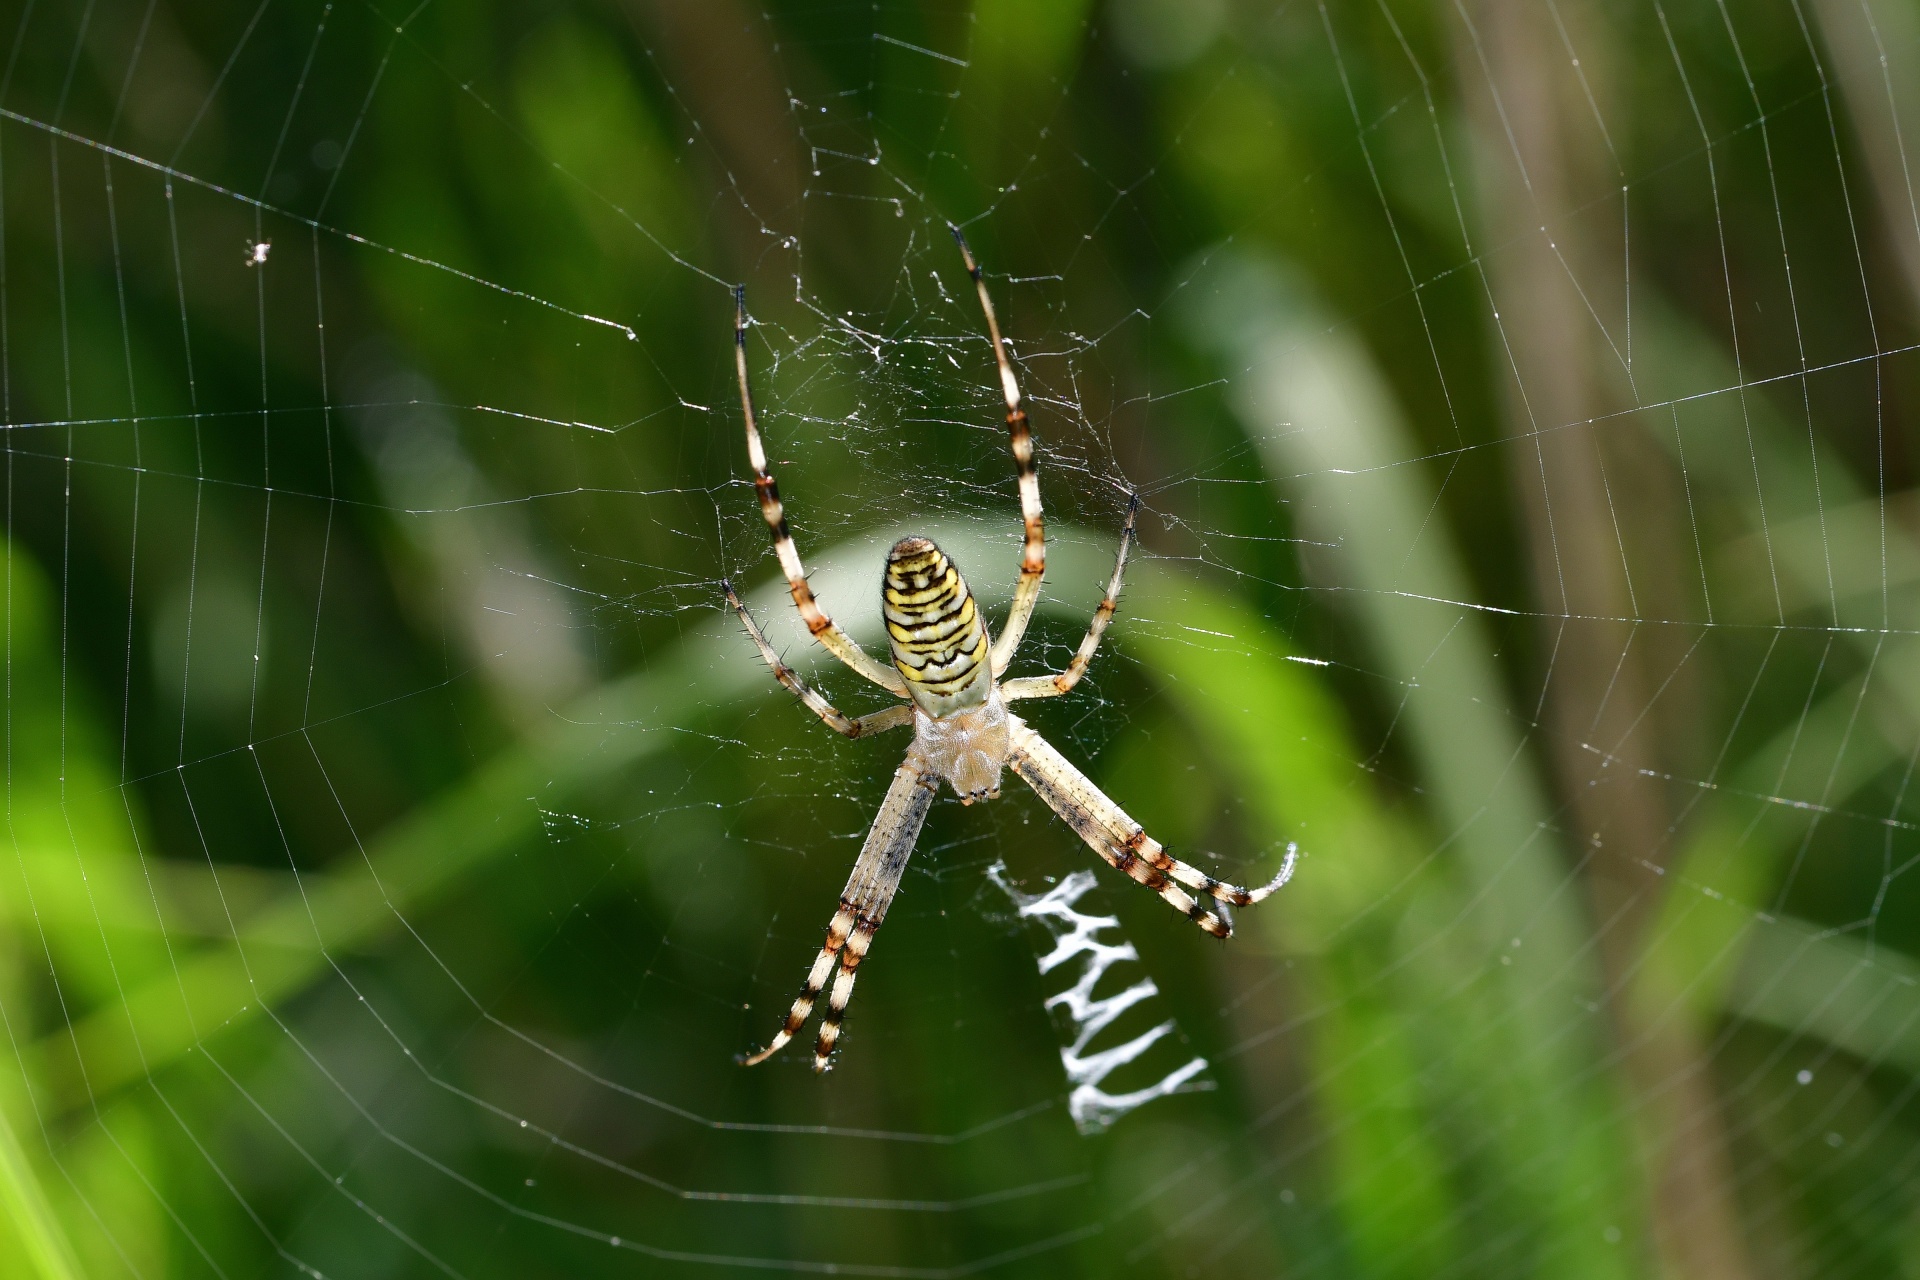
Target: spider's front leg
column 1122, row 842
column 863, row 905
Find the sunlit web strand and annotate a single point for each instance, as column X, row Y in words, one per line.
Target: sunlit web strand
column 1742, row 385
column 366, row 504
column 271, row 411
column 67, row 135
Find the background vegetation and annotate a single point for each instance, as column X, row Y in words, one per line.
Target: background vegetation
column 401, row 842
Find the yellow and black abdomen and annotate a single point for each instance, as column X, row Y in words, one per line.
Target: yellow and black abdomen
column 939, row 642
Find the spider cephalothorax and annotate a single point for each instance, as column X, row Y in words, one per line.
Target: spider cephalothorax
column 949, row 669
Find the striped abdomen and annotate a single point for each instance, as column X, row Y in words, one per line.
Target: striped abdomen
column 933, row 626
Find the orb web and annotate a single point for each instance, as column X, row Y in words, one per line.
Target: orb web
column 403, row 839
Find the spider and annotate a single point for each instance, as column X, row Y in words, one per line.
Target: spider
column 950, row 673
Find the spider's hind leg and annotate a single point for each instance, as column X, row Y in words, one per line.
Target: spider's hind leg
column 823, row 629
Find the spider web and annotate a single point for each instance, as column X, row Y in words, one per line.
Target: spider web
column 403, row 840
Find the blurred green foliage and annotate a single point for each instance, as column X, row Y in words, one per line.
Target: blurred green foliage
column 402, row 842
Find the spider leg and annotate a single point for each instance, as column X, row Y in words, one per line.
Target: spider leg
column 850, row 958
column 1055, row 685
column 811, row 988
column 1120, row 840
column 863, row 905
column 823, row 628
column 1033, row 553
column 847, row 726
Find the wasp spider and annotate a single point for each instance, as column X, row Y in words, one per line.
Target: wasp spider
column 950, row 672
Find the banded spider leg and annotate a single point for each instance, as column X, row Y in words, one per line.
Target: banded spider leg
column 863, row 905
column 1120, row 840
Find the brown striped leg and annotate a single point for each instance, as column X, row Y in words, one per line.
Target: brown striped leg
column 810, row 990
column 1149, row 851
column 1043, row 775
column 877, row 722
column 1055, row 685
column 1130, row 839
column 823, row 628
column 1033, row 553
column 1132, row 843
column 1119, row 840
column 863, row 905
column 850, row 958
